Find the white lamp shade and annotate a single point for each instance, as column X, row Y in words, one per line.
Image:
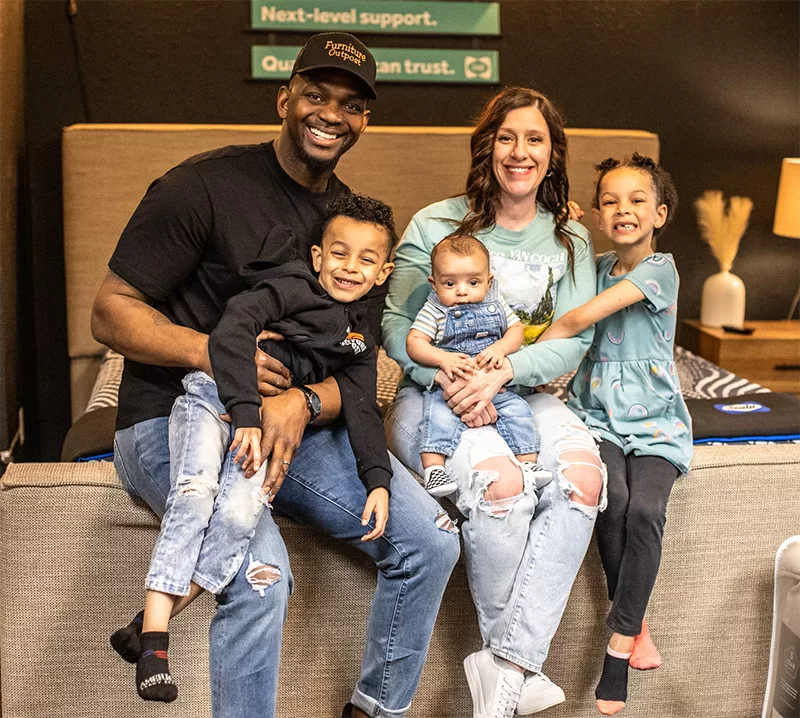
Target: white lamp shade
column 787, row 209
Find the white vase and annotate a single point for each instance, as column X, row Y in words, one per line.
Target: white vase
column 723, row 301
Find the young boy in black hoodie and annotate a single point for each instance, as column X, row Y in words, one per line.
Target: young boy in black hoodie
column 212, row 509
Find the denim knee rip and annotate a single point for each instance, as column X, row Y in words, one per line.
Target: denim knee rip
column 261, row 575
column 201, row 485
column 445, row 523
column 578, row 439
column 245, row 502
column 496, row 508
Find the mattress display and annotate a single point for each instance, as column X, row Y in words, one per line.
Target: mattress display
column 764, row 417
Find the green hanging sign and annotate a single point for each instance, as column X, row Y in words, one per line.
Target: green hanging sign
column 364, row 16
column 270, row 62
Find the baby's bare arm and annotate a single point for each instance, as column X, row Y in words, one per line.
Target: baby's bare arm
column 512, row 339
column 422, row 351
column 420, row 348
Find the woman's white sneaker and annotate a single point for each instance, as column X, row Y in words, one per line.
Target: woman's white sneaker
column 538, row 693
column 495, row 686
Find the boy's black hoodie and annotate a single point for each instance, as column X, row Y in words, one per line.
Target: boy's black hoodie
column 322, row 337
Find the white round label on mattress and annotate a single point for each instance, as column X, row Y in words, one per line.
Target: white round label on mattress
column 749, row 407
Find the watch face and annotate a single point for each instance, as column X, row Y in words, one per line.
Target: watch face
column 316, row 404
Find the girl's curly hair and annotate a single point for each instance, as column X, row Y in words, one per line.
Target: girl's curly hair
column 659, row 177
column 483, row 190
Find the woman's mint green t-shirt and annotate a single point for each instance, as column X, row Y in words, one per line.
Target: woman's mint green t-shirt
column 531, row 268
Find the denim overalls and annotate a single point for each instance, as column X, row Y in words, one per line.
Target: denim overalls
column 469, row 329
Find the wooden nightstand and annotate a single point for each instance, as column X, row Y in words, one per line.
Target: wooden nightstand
column 770, row 356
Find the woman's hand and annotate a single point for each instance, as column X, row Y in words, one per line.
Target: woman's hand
column 470, row 398
column 486, row 417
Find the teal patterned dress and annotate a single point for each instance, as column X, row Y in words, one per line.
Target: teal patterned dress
column 626, row 388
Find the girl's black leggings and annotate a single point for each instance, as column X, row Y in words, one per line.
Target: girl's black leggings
column 630, row 530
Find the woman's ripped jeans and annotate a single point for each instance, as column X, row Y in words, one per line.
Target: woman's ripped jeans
column 523, row 547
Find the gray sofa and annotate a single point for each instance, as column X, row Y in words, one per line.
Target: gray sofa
column 75, row 551
column 75, row 547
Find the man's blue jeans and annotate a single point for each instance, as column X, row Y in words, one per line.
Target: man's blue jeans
column 415, row 557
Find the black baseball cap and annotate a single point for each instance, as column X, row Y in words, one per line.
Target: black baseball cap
column 338, row 51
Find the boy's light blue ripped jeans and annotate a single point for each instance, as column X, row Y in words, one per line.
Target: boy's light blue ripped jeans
column 212, row 509
column 522, row 555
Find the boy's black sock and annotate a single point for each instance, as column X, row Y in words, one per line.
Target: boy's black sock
column 613, row 685
column 153, row 679
column 125, row 641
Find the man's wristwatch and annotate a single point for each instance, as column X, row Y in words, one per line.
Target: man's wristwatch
column 312, row 402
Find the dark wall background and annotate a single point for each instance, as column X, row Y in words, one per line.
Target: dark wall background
column 717, row 80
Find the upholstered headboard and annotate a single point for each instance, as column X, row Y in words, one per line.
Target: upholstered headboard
column 107, row 169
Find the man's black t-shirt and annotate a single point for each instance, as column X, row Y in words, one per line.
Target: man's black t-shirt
column 189, row 239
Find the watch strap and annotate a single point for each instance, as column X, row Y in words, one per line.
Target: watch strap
column 314, row 407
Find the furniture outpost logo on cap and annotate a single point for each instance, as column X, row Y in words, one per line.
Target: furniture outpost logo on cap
column 345, row 51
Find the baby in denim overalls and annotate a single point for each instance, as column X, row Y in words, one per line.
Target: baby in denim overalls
column 466, row 326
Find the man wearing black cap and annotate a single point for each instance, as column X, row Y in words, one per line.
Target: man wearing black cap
column 176, row 264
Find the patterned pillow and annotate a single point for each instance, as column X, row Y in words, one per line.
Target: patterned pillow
column 106, row 387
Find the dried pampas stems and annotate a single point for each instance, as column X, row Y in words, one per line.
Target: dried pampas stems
column 722, row 227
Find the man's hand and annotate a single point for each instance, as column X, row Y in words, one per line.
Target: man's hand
column 248, row 441
column 273, row 377
column 283, row 420
column 377, row 505
column 457, row 365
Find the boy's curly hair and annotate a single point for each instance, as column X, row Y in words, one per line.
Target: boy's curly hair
column 659, row 177
column 363, row 209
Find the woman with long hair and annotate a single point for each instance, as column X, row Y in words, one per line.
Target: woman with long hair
column 523, row 543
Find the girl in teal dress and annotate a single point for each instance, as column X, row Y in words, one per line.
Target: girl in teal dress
column 627, row 392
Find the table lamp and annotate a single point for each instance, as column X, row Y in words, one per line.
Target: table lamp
column 787, row 208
